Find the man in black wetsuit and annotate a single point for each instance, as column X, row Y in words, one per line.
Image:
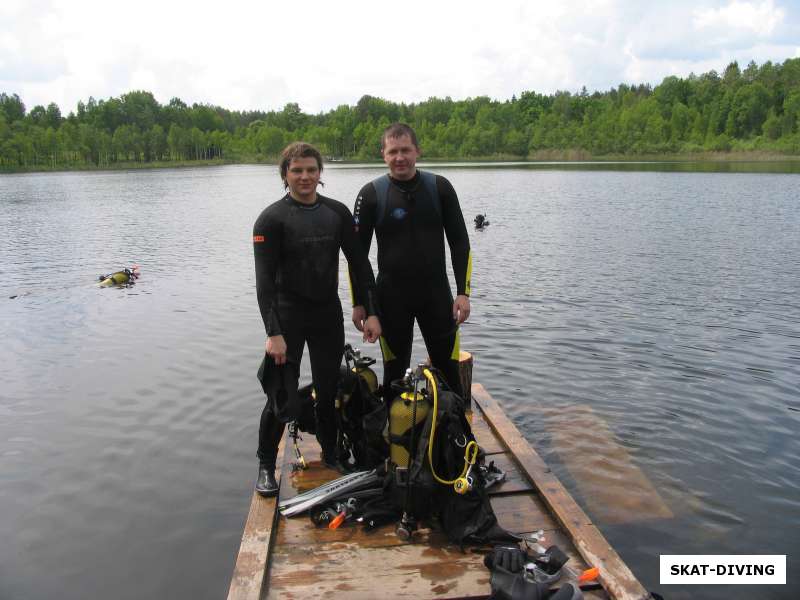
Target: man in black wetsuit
column 296, row 242
column 411, row 213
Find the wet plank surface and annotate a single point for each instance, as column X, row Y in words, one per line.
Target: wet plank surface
column 291, row 558
column 304, row 561
column 250, row 568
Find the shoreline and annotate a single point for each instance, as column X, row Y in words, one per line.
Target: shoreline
column 541, row 157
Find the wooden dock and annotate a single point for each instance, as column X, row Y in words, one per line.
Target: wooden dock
column 290, row 558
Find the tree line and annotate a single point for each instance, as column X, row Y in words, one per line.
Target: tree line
column 757, row 108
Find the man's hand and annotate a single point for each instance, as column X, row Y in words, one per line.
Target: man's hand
column 359, row 316
column 372, row 329
column 276, row 348
column 461, row 309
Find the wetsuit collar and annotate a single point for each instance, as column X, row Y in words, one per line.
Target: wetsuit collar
column 407, row 184
column 302, row 205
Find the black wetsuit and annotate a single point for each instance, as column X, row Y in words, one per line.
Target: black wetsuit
column 297, row 270
column 412, row 272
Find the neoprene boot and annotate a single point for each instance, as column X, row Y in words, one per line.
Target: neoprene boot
column 331, row 461
column 266, row 484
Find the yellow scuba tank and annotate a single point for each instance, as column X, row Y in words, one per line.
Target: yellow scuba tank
column 401, row 413
column 368, row 376
column 361, row 367
column 123, row 277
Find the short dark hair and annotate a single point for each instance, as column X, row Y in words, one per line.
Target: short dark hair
column 298, row 150
column 396, row 130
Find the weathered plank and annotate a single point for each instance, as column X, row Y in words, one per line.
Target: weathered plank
column 251, row 562
column 347, row 570
column 615, row 575
column 465, row 375
column 484, row 435
column 298, row 560
column 429, row 568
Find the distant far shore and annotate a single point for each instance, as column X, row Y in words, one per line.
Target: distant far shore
column 567, row 156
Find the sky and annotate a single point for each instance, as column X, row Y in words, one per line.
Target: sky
column 263, row 54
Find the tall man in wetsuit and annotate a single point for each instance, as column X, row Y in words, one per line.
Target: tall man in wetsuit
column 411, row 213
column 296, row 242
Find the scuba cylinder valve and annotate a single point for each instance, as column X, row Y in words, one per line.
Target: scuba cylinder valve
column 361, row 367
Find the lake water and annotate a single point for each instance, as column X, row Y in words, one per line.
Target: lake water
column 641, row 328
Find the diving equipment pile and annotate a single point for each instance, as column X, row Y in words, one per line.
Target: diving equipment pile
column 432, row 470
column 435, row 469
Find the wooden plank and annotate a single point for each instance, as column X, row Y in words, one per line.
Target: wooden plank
column 299, row 560
column 251, row 562
column 523, row 512
column 465, row 375
column 349, row 571
column 615, row 576
column 487, row 439
column 615, row 490
column 428, row 568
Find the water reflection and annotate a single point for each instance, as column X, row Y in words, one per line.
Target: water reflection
column 652, row 314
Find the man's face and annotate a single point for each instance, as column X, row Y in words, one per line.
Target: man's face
column 401, row 155
column 302, row 177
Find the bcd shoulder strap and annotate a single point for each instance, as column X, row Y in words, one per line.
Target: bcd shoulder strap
column 382, row 183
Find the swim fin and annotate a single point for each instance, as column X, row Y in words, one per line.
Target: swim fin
column 338, row 487
column 320, row 489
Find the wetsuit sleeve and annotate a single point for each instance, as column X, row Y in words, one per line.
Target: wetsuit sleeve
column 364, row 216
column 457, row 238
column 267, row 245
column 362, row 279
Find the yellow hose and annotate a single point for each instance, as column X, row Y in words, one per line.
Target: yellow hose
column 470, row 450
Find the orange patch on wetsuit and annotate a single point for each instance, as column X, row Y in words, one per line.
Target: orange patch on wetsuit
column 258, row 239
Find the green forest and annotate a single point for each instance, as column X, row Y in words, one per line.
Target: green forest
column 741, row 110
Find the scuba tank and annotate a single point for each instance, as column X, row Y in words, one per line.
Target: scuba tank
column 411, row 405
column 432, row 451
column 407, row 410
column 361, row 367
column 360, row 413
column 408, row 406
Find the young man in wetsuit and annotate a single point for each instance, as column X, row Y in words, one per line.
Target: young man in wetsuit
column 411, row 213
column 296, row 242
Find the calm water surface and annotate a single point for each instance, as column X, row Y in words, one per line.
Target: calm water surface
column 651, row 315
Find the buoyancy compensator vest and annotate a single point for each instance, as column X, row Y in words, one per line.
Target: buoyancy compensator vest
column 360, row 413
column 441, row 476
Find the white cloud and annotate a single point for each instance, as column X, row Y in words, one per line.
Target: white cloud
column 260, row 55
column 761, row 18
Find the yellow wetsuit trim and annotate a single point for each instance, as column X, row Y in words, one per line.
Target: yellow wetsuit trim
column 468, row 283
column 350, row 285
column 456, row 353
column 386, row 351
